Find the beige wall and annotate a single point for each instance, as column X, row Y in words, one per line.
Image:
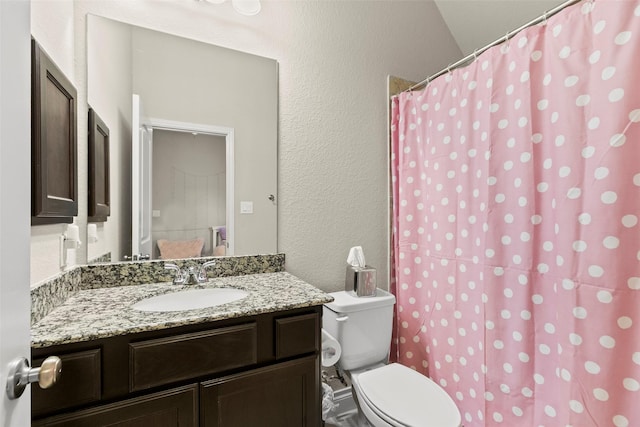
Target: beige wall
column 333, row 58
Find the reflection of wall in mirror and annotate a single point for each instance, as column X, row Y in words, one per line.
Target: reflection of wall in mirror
column 189, row 187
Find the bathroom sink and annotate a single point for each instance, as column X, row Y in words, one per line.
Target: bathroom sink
column 190, row 299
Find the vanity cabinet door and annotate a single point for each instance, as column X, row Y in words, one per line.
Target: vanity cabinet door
column 173, row 408
column 282, row 395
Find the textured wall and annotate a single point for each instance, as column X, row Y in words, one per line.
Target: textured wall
column 334, row 57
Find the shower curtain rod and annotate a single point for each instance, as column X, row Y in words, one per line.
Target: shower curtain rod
column 508, row 36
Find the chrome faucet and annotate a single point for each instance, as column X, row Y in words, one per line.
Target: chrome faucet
column 190, row 275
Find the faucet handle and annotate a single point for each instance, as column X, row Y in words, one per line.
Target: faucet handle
column 202, row 274
column 180, row 277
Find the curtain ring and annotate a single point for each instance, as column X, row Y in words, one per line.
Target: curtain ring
column 475, row 55
column 544, row 18
column 449, row 69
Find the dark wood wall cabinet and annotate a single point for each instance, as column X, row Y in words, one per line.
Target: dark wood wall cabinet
column 99, row 186
column 54, row 176
column 241, row 372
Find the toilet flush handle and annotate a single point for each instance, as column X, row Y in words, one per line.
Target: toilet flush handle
column 342, row 319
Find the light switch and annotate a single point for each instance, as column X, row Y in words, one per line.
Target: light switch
column 246, row 207
column 155, row 213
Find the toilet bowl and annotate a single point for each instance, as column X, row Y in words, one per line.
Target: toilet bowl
column 387, row 394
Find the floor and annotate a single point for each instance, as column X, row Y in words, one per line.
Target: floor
column 345, row 413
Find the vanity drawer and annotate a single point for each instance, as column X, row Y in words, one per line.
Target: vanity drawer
column 188, row 356
column 296, row 335
column 80, row 383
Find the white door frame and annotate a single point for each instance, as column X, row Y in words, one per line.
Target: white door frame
column 228, row 134
column 15, row 191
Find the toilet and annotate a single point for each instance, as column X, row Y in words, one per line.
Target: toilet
column 387, row 394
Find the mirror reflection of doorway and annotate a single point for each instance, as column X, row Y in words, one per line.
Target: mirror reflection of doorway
column 189, row 194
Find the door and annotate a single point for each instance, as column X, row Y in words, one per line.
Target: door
column 15, row 190
column 141, row 176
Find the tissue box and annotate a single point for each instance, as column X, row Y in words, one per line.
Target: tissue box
column 361, row 281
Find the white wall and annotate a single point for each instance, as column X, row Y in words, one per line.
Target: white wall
column 333, row 58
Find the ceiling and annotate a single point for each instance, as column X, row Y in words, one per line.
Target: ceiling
column 476, row 23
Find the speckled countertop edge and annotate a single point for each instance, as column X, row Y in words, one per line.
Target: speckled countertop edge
column 101, row 313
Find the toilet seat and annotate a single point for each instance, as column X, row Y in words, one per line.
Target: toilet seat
column 404, row 398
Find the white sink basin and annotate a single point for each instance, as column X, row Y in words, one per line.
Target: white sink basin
column 190, row 299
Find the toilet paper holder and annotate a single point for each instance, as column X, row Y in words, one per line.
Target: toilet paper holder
column 361, row 281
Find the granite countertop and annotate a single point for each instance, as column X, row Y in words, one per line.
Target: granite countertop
column 106, row 312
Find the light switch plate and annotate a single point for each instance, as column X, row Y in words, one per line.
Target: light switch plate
column 246, row 207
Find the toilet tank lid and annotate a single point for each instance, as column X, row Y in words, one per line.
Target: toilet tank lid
column 344, row 302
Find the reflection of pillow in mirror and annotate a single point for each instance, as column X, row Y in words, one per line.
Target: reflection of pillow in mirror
column 172, row 249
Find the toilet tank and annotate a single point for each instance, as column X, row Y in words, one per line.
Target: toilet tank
column 362, row 326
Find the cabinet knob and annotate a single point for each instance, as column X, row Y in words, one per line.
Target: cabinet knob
column 20, row 375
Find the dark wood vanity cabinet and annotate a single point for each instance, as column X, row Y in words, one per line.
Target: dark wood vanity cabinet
column 252, row 371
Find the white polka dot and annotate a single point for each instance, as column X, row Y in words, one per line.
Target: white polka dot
column 607, row 342
column 588, row 152
column 542, row 187
column 550, row 411
column 629, row 220
column 623, row 38
column 502, row 124
column 631, row 384
column 571, row 81
column 497, row 417
column 575, row 339
column 634, row 283
column 524, row 357
column 547, row 246
column 609, row 197
column 574, row 193
column 565, row 52
column 595, row 271
column 599, row 27
column 539, row 379
column 583, row 100
column 537, row 299
column 617, row 140
column 568, row 284
column 636, row 357
column 604, row 297
column 576, row 406
column 547, row 80
column 544, row 349
column 620, row 421
column 611, row 242
column 527, row 392
column 624, row 322
column 580, row 313
column 594, row 123
column 601, row 172
column 564, row 171
column 584, row 218
column 543, row 268
column 579, row 246
column 594, row 57
column 616, row 95
column 608, row 72
column 592, row 367
column 565, row 375
column 634, row 116
column 536, row 138
column 536, row 55
column 601, row 394
column 560, row 139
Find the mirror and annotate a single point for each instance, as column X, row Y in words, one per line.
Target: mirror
column 190, row 91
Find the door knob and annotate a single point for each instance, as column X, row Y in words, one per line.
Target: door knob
column 20, row 374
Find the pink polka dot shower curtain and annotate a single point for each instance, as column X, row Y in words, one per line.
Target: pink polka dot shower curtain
column 516, row 243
